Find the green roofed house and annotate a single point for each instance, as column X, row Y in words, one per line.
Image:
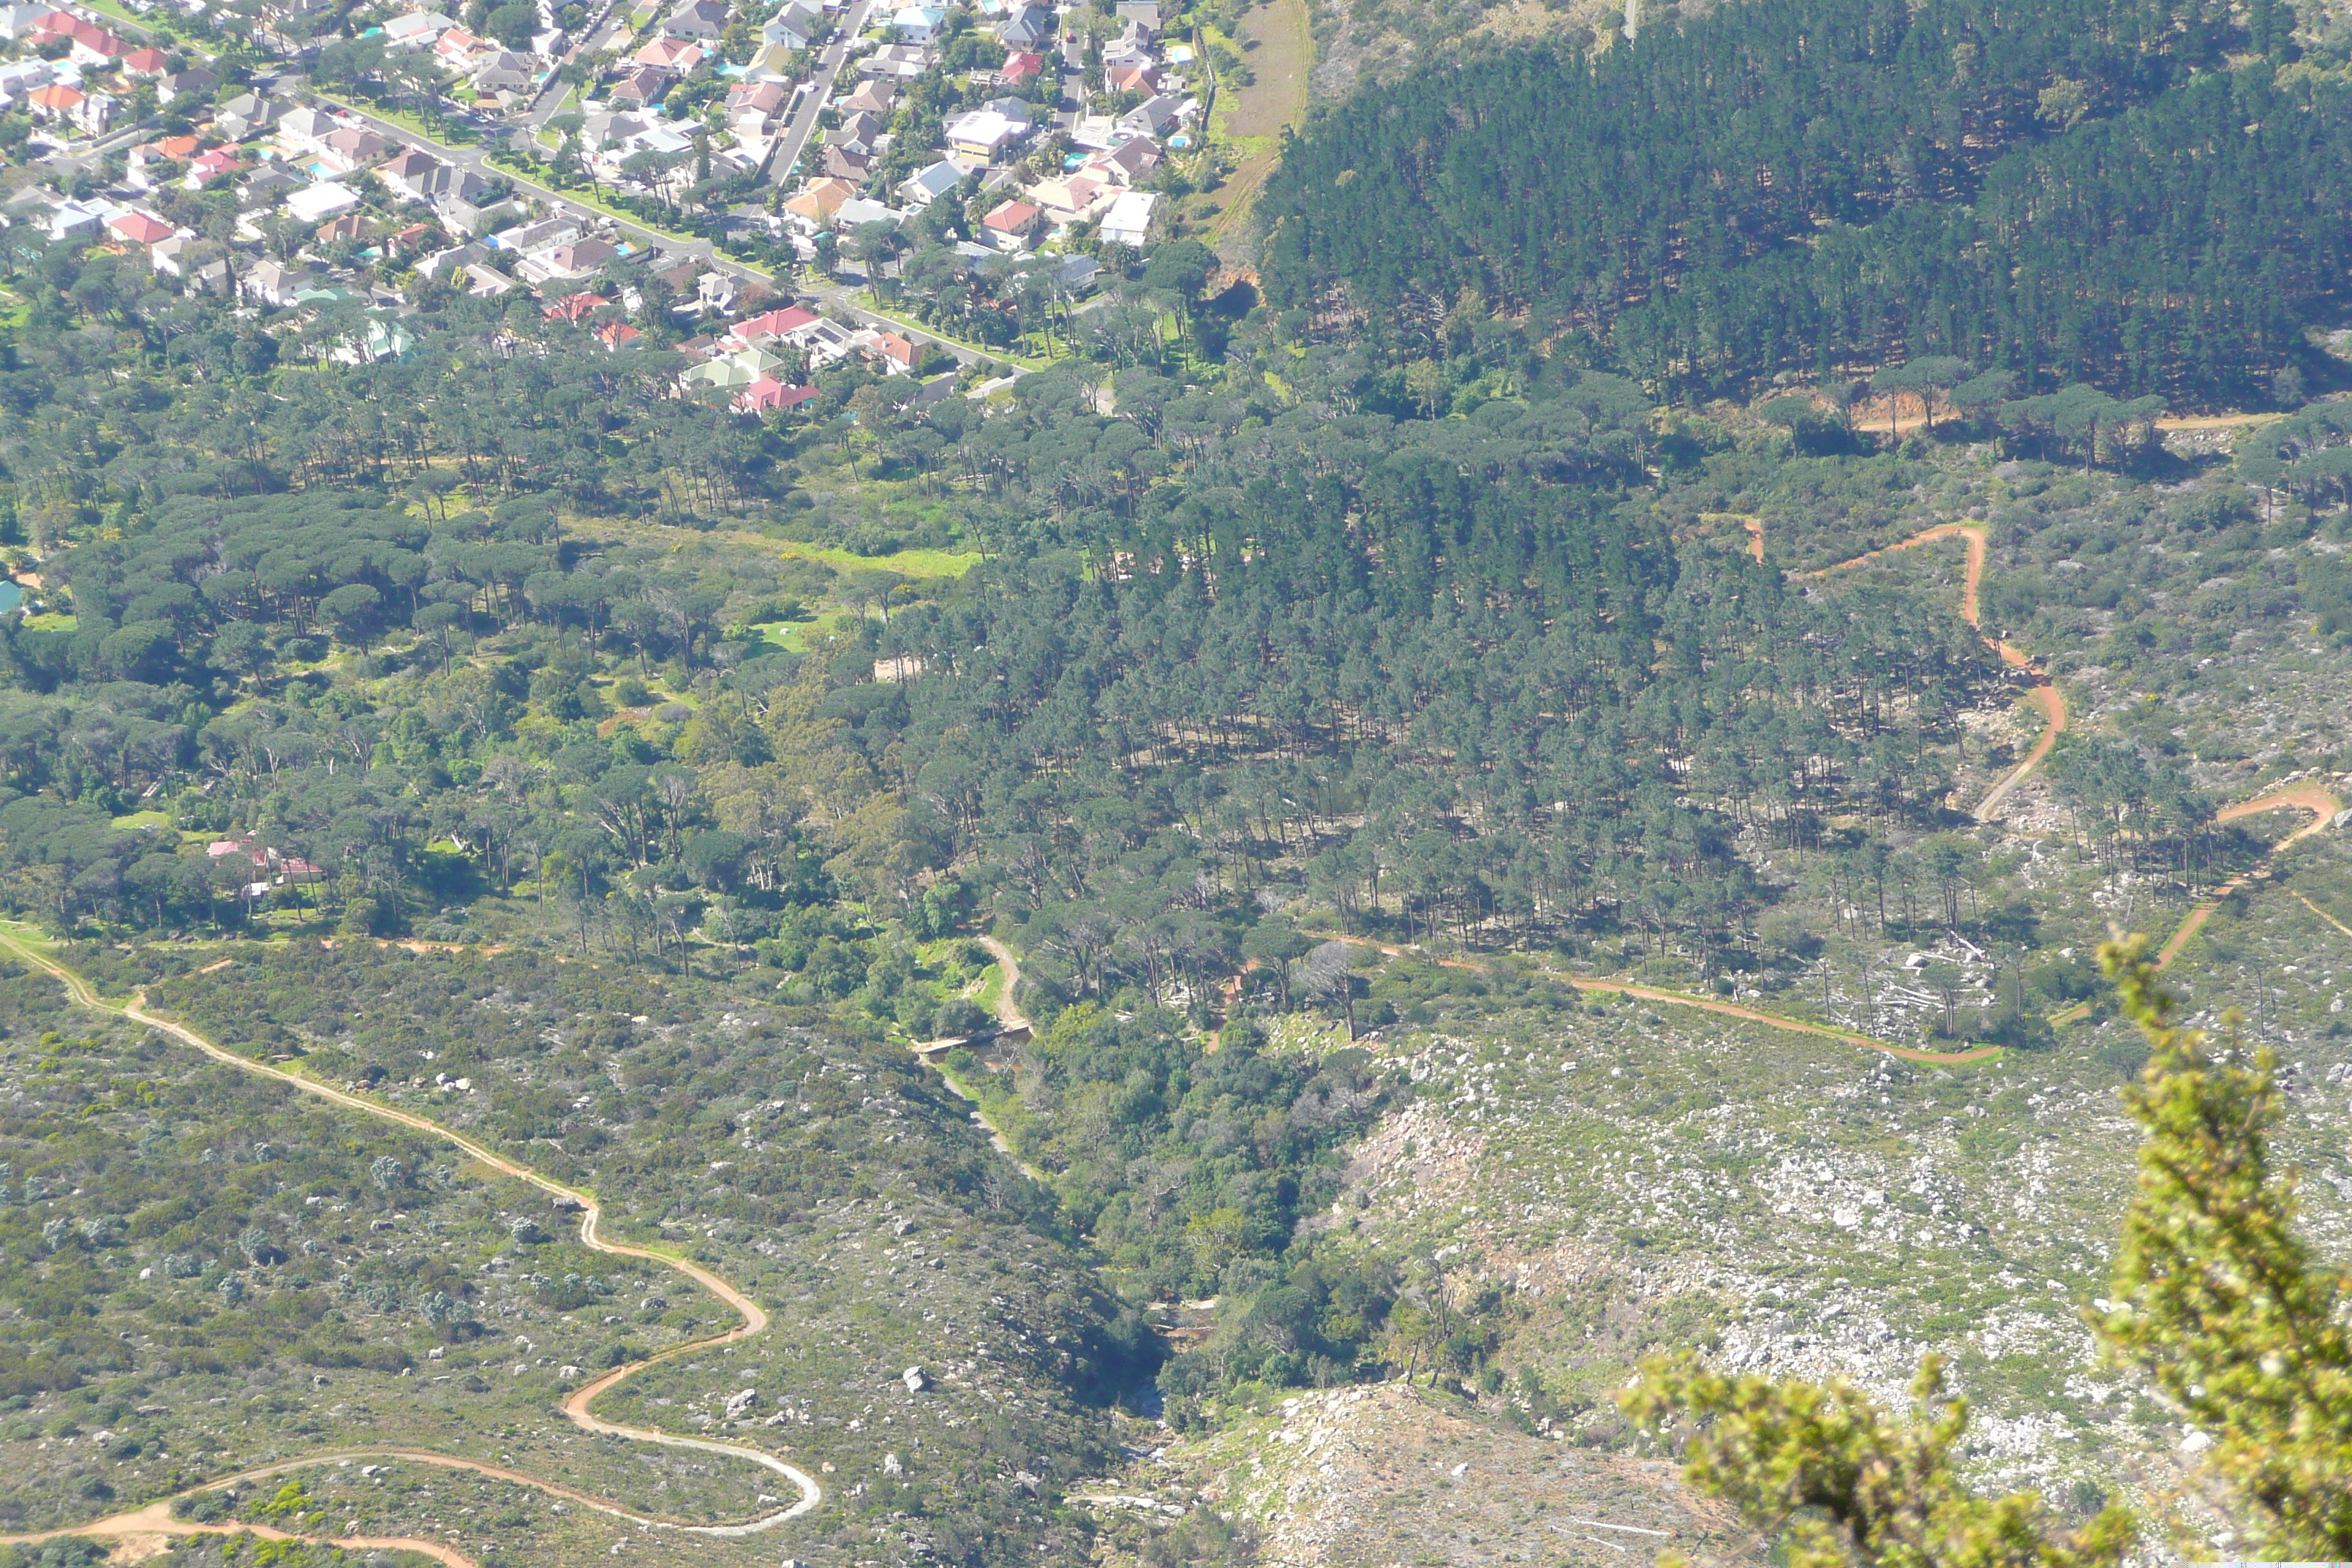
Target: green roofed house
column 734, row 371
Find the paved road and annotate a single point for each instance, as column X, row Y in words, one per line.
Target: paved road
column 477, row 159
column 786, row 153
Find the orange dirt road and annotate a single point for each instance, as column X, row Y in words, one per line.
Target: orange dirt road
column 2044, row 695
column 2323, row 807
column 1683, row 999
column 155, row 1518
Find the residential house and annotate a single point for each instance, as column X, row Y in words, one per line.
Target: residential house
column 917, row 24
column 415, row 174
column 676, row 55
column 841, row 163
column 416, row 30
column 92, row 45
column 317, row 204
column 245, row 116
column 453, row 260
column 1073, row 198
column 771, row 62
column 797, row 28
column 145, row 64
column 736, row 370
column 66, row 219
column 265, row 187
column 211, row 164
column 303, row 129
column 872, row 96
column 56, row 104
column 1020, row 66
column 150, row 163
column 755, row 105
column 488, row 282
column 193, row 82
column 897, row 354
column 925, row 186
column 456, row 46
column 818, row 202
column 641, row 86
column 540, row 236
column 170, row 255
column 857, row 212
column 575, row 258
column 1077, row 273
column 985, row 133
column 771, row 325
column 382, row 339
column 1030, row 28
column 1131, row 161
column 351, row 148
column 1154, row 117
column 824, row 342
column 858, row 130
column 505, row 71
column 275, row 282
column 1014, row 225
column 616, row 336
column 1129, row 221
column 18, row 78
column 904, row 61
column 1140, row 78
column 348, row 229
column 22, row 21
column 698, row 19
column 575, row 307
column 769, row 396
column 1142, row 13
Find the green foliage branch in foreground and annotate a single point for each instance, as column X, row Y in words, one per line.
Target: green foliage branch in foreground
column 2217, row 1299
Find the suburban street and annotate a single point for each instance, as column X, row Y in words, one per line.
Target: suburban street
column 803, row 124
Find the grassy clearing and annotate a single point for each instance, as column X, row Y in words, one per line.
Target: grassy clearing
column 918, row 564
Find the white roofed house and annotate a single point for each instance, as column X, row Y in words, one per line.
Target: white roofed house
column 316, row 203
column 985, row 133
column 1129, row 221
column 917, row 24
column 416, row 30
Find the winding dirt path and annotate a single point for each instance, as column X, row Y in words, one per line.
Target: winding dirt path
column 1685, row 999
column 2312, row 798
column 143, row 1522
column 2045, row 694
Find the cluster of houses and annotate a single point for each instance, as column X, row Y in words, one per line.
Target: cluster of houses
column 1042, row 175
column 74, row 77
column 328, row 209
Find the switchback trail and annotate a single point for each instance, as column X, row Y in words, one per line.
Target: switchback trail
column 1683, row 999
column 2323, row 807
column 2309, row 797
column 2045, row 693
column 575, row 1408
